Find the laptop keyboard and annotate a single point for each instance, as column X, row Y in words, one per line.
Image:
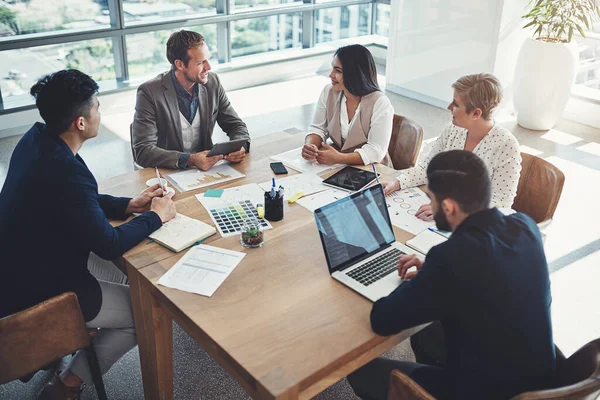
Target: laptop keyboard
column 377, row 268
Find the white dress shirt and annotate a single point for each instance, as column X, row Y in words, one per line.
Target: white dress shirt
column 380, row 131
column 499, row 150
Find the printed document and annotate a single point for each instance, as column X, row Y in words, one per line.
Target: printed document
column 202, row 270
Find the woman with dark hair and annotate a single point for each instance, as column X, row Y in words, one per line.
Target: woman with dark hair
column 352, row 112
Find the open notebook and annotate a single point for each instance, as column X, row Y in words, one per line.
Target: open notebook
column 425, row 240
column 181, row 232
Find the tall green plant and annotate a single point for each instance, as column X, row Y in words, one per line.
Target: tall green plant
column 553, row 19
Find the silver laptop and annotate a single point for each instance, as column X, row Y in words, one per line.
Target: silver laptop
column 359, row 243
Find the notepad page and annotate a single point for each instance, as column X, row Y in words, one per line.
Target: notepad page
column 425, row 240
column 181, row 232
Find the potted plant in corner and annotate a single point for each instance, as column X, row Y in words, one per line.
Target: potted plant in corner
column 548, row 62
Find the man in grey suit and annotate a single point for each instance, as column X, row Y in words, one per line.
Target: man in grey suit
column 176, row 112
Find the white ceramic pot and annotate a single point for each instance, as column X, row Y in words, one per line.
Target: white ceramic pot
column 544, row 75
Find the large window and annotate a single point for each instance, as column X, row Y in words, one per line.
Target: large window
column 260, row 35
column 20, row 69
column 116, row 40
column 342, row 22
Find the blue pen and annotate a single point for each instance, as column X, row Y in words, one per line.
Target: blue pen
column 374, row 170
column 273, row 189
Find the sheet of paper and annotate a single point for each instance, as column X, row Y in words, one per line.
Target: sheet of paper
column 229, row 211
column 192, row 179
column 403, row 205
column 425, row 240
column 308, row 183
column 318, row 200
column 293, row 159
column 202, row 270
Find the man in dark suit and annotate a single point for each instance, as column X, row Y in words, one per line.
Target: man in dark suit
column 489, row 286
column 52, row 218
column 176, row 112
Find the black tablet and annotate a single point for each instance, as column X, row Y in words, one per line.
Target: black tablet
column 225, row 148
column 350, row 178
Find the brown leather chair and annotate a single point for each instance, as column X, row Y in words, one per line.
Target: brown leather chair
column 539, row 189
column 578, row 378
column 405, row 144
column 43, row 334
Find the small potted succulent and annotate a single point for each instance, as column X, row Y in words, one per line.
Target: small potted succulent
column 252, row 233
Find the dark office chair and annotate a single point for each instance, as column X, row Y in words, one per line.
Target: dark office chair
column 405, row 144
column 43, row 334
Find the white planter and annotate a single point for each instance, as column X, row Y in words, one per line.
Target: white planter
column 544, row 75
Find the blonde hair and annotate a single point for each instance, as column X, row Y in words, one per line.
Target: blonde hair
column 482, row 91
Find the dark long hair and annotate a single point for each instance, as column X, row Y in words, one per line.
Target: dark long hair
column 358, row 69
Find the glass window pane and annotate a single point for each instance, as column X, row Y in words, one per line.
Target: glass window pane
column 147, row 52
column 260, row 35
column 251, row 5
column 383, row 20
column 159, row 10
column 20, row 69
column 36, row 16
column 342, row 22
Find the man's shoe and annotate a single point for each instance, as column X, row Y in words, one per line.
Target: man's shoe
column 57, row 390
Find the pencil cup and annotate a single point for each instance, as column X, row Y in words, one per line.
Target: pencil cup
column 273, row 207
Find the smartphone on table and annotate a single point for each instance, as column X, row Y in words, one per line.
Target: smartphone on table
column 278, row 168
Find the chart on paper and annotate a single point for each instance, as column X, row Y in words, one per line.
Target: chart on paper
column 403, row 206
column 195, row 179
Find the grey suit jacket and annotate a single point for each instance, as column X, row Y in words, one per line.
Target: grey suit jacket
column 156, row 130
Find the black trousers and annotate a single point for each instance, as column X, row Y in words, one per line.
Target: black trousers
column 372, row 381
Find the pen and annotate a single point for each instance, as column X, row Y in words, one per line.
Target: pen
column 159, row 180
column 374, row 170
column 273, row 188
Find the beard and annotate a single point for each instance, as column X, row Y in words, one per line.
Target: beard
column 441, row 221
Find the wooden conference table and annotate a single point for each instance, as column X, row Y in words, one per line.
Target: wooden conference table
column 279, row 324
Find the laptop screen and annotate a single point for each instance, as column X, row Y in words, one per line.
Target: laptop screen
column 354, row 227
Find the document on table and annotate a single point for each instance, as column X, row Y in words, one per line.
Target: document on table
column 202, row 270
column 192, row 179
column 294, row 160
column 318, row 200
column 425, row 240
column 308, row 183
column 403, row 205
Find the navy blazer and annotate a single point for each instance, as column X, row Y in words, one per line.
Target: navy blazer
column 489, row 286
column 51, row 218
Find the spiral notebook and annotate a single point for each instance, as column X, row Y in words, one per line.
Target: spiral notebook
column 181, row 232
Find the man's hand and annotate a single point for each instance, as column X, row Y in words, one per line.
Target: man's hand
column 164, row 207
column 201, row 161
column 328, row 155
column 407, row 262
column 425, row 212
column 236, row 156
column 310, row 152
column 390, row 186
column 141, row 203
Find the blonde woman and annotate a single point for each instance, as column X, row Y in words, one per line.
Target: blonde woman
column 473, row 129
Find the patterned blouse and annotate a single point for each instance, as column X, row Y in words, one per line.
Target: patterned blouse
column 499, row 150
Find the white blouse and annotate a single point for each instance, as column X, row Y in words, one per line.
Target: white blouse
column 380, row 132
column 499, row 150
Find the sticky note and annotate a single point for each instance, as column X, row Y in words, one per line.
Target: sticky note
column 213, row 193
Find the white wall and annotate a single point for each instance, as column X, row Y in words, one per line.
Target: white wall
column 434, row 42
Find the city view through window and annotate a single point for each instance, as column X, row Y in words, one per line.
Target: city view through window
column 128, row 37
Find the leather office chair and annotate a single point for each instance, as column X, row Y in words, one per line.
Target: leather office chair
column 136, row 166
column 578, row 378
column 43, row 334
column 539, row 189
column 405, row 144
